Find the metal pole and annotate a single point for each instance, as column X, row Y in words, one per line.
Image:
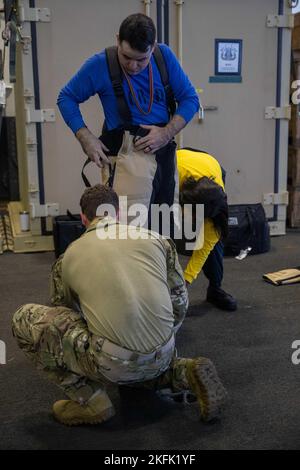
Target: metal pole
column 179, row 4
column 147, row 4
column 159, row 20
column 166, row 22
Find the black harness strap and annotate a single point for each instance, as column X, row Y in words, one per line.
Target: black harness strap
column 116, row 80
column 83, row 176
column 161, row 64
column 108, row 183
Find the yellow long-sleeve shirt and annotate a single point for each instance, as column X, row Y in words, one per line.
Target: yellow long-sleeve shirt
column 197, row 165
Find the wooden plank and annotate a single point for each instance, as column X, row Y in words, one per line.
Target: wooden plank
column 296, row 32
column 293, row 210
column 294, row 126
column 294, row 167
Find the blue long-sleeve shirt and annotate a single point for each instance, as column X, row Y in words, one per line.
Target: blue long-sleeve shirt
column 93, row 78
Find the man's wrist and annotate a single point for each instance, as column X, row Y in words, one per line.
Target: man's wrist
column 176, row 124
column 82, row 133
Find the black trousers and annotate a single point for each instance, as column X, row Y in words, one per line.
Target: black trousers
column 164, row 179
column 213, row 266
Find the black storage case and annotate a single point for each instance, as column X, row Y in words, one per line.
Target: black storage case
column 66, row 229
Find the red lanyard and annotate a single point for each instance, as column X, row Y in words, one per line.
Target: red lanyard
column 150, row 91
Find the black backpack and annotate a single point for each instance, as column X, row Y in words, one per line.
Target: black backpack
column 66, row 229
column 248, row 227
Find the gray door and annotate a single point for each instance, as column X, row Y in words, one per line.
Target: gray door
column 236, row 132
column 78, row 29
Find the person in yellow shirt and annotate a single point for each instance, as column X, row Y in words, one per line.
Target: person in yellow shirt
column 201, row 182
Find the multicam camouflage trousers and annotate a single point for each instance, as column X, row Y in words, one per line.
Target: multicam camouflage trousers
column 57, row 340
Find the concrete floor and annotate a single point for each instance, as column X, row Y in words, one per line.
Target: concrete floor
column 251, row 349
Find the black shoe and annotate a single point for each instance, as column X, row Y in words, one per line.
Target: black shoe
column 221, row 299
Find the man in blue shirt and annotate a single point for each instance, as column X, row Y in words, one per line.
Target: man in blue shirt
column 147, row 163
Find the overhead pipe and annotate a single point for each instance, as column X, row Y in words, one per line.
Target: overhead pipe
column 278, row 104
column 147, row 4
column 37, row 103
column 159, row 20
column 166, row 22
column 179, row 4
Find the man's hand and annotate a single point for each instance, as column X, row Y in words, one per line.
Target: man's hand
column 92, row 147
column 157, row 138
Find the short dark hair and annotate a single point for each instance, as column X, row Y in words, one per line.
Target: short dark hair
column 93, row 197
column 206, row 191
column 139, row 31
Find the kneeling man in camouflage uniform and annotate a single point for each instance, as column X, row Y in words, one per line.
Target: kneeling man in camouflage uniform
column 118, row 297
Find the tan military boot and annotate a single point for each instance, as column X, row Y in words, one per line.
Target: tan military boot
column 71, row 413
column 200, row 377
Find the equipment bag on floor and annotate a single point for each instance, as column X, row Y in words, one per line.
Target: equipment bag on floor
column 285, row 276
column 66, row 229
column 248, row 227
